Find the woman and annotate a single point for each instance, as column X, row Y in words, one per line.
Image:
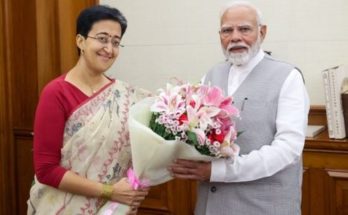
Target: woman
column 81, row 141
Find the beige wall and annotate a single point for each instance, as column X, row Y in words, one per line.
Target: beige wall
column 179, row 38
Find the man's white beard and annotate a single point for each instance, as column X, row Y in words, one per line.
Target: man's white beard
column 240, row 59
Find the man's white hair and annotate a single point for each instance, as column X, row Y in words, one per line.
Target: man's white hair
column 247, row 4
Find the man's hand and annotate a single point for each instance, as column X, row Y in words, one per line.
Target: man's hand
column 188, row 169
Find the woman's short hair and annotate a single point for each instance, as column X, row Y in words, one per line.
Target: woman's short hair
column 93, row 14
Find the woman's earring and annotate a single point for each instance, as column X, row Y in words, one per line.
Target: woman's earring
column 82, row 52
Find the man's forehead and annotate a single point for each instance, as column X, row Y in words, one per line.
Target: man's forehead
column 241, row 24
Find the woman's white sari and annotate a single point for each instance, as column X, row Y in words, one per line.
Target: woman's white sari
column 96, row 146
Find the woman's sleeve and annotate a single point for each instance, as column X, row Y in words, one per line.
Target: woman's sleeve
column 48, row 137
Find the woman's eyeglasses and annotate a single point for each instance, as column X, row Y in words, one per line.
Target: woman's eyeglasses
column 105, row 39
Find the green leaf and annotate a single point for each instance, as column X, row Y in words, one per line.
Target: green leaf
column 160, row 129
column 192, row 138
column 239, row 133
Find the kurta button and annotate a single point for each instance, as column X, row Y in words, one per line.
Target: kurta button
column 213, row 189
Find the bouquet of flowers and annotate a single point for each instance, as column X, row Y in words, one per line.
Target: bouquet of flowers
column 184, row 121
column 197, row 115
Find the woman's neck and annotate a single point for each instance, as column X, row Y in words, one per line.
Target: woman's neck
column 88, row 81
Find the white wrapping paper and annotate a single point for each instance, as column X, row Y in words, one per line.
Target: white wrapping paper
column 151, row 154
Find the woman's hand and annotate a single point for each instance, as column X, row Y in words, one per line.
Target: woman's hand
column 124, row 193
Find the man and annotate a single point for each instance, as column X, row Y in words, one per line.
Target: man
column 266, row 176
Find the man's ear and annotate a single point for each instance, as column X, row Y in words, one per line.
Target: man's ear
column 263, row 31
column 80, row 42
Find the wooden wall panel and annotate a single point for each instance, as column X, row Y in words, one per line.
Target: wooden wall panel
column 305, row 192
column 48, row 58
column 3, row 111
column 194, row 188
column 22, row 76
column 4, row 115
column 23, row 169
column 23, row 59
column 319, row 192
column 176, row 197
column 157, row 199
column 339, row 192
column 7, row 188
